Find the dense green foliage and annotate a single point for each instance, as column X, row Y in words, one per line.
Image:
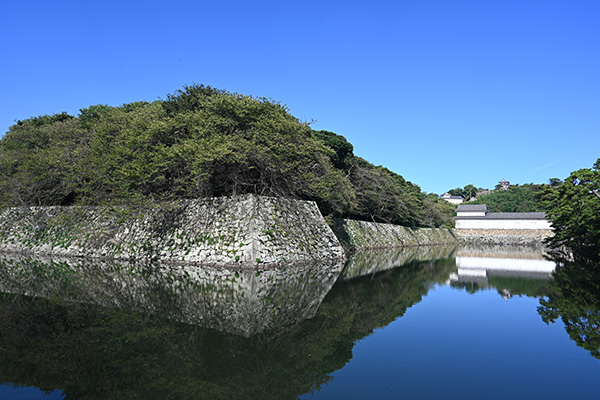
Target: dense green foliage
column 437, row 212
column 515, row 199
column 575, row 300
column 468, row 192
column 573, row 207
column 199, row 142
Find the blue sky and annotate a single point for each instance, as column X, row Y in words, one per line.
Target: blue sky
column 445, row 93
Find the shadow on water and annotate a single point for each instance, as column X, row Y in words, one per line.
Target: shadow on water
column 98, row 330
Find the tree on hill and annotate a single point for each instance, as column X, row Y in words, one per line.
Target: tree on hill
column 457, row 192
column 437, row 212
column 198, row 142
column 468, row 192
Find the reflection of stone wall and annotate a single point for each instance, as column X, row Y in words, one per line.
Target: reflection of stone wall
column 360, row 235
column 368, row 262
column 531, row 237
column 244, row 230
column 239, row 301
column 502, row 251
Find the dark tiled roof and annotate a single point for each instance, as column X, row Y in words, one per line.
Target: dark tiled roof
column 471, row 208
column 448, row 196
column 516, row 215
column 489, row 215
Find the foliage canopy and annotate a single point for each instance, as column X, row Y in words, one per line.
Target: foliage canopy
column 515, row 199
column 573, row 207
column 200, row 142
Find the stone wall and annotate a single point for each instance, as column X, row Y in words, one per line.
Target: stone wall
column 362, row 235
column 527, row 237
column 244, row 230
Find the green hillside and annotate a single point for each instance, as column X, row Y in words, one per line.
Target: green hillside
column 515, row 199
column 199, row 142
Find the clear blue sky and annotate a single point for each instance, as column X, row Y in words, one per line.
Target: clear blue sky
column 445, row 93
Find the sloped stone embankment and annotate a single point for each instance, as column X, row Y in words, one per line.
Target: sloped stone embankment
column 244, row 231
column 233, row 231
column 364, row 235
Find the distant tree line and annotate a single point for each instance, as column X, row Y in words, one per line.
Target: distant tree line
column 201, row 142
column 517, row 198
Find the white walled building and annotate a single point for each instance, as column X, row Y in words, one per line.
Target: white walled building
column 476, row 216
column 452, row 199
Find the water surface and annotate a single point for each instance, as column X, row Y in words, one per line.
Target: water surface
column 479, row 323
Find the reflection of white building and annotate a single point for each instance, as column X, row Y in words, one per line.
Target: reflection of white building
column 452, row 199
column 478, row 264
column 485, row 266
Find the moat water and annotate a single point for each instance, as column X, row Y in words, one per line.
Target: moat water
column 426, row 323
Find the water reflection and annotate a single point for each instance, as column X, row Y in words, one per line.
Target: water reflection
column 369, row 262
column 241, row 301
column 512, row 270
column 98, row 331
column 96, row 352
column 575, row 300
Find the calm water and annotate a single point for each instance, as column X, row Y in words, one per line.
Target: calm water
column 427, row 323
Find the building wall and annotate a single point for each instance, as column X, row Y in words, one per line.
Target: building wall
column 502, row 224
column 470, row 214
column 454, row 201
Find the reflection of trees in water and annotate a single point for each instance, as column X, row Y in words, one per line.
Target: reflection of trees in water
column 369, row 262
column 507, row 286
column 97, row 353
column 575, row 300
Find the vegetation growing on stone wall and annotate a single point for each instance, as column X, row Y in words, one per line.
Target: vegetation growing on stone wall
column 199, row 142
